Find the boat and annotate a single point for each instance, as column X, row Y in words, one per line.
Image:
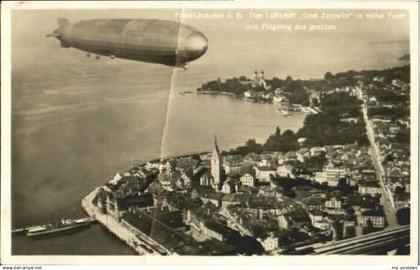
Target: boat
column 185, row 92
column 309, row 110
column 18, row 231
column 284, row 112
column 62, row 226
column 278, row 99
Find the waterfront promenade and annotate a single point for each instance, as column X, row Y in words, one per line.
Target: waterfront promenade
column 139, row 242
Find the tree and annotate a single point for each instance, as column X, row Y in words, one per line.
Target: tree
column 349, row 232
column 403, row 216
column 277, row 133
column 315, row 102
column 398, row 190
column 344, row 187
column 328, row 76
column 281, row 142
column 363, row 140
column 196, row 157
column 369, row 227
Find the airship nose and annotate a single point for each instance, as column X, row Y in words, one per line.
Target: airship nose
column 195, row 45
column 197, row 42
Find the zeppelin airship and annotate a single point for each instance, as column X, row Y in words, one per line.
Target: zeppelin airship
column 154, row 41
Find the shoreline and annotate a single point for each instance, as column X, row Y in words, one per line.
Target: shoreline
column 210, row 92
column 143, row 244
column 112, row 225
column 296, row 107
column 122, row 230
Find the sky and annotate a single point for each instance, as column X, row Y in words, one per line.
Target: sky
column 354, row 44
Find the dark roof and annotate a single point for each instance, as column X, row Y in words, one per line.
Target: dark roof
column 373, row 212
column 143, row 200
column 402, row 196
column 266, row 168
column 369, row 184
column 219, row 228
column 316, row 212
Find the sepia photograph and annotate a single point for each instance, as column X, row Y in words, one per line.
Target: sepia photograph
column 209, row 130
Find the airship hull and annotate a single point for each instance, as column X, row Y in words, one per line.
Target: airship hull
column 155, row 41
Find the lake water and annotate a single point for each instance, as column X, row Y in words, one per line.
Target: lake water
column 72, row 134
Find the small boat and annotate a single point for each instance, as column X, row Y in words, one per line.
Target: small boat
column 278, row 99
column 284, row 112
column 309, row 110
column 183, row 93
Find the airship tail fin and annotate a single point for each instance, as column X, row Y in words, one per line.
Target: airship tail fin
column 62, row 22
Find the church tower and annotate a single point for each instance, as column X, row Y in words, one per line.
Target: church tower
column 216, row 164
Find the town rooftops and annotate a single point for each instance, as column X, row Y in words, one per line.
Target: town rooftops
column 373, row 213
column 369, row 184
column 316, row 213
column 233, row 160
column 265, row 168
column 264, row 204
column 212, row 195
column 219, row 228
column 143, row 200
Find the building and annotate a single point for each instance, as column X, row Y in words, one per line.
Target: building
column 206, row 179
column 212, row 197
column 250, row 94
column 267, row 160
column 301, row 140
column 319, row 220
column 217, row 230
column 316, row 151
column 264, row 174
column 323, row 224
column 258, row 80
column 320, row 177
column 271, row 191
column 331, row 174
column 228, row 187
column 375, row 217
column 232, row 164
column 285, row 170
column 372, row 188
column 316, row 216
column 211, row 230
column 333, row 203
column 247, row 180
column 216, row 164
column 263, row 207
column 117, row 204
column 284, row 221
column 270, row 242
column 349, row 229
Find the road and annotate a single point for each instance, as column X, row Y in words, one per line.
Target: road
column 388, row 207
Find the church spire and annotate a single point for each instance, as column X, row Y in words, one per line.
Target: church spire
column 216, row 164
column 216, row 147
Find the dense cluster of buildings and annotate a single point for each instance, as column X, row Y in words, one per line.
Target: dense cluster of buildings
column 253, row 203
column 219, row 197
